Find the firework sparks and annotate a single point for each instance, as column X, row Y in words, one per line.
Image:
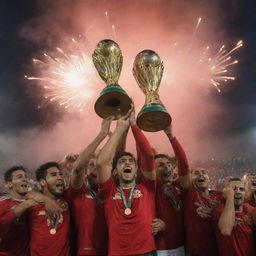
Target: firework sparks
column 69, row 78
column 114, row 31
column 197, row 26
column 217, row 65
column 66, row 79
column 208, row 68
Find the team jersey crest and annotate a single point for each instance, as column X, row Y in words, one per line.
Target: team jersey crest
column 136, row 194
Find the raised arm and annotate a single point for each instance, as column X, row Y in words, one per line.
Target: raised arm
column 227, row 218
column 122, row 142
column 107, row 153
column 183, row 167
column 78, row 172
column 144, row 150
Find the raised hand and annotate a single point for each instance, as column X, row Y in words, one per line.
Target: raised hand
column 168, row 131
column 228, row 191
column 132, row 116
column 105, row 126
column 124, row 121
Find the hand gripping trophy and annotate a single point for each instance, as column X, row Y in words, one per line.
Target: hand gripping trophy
column 148, row 71
column 113, row 100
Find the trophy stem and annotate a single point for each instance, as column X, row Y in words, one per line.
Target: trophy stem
column 152, row 98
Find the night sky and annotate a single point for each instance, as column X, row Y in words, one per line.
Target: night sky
column 18, row 101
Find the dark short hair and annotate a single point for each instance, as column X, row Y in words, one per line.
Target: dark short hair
column 173, row 160
column 41, row 171
column 10, row 171
column 118, row 156
column 234, row 179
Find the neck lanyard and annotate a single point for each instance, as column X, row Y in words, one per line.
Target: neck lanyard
column 128, row 204
column 53, row 230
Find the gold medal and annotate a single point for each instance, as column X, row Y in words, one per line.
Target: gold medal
column 127, row 211
column 53, row 231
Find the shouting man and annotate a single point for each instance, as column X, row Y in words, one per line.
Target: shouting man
column 129, row 200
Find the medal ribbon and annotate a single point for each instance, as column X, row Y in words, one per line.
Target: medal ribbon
column 56, row 223
column 129, row 204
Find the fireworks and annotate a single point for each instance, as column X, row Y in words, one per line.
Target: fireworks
column 67, row 79
column 68, row 76
column 204, row 67
column 217, row 66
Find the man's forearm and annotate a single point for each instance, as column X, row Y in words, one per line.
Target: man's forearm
column 122, row 143
column 183, row 167
column 22, row 207
column 87, row 154
column 107, row 153
column 227, row 217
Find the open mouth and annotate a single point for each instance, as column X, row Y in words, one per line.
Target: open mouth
column 201, row 180
column 60, row 185
column 24, row 185
column 167, row 174
column 127, row 170
column 238, row 197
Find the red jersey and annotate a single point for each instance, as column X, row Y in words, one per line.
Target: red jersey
column 241, row 240
column 43, row 243
column 129, row 234
column 90, row 223
column 251, row 201
column 14, row 235
column 169, row 205
column 200, row 238
column 170, row 210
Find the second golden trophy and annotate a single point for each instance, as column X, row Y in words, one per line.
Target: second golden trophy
column 113, row 100
column 148, row 71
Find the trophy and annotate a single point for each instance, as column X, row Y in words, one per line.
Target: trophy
column 113, row 100
column 148, row 71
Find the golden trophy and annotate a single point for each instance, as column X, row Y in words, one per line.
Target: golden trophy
column 113, row 100
column 148, row 70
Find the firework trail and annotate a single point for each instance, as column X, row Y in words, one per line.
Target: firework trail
column 205, row 67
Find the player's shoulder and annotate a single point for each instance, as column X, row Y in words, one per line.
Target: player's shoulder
column 6, row 202
column 4, row 198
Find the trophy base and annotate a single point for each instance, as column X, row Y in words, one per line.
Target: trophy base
column 153, row 118
column 113, row 101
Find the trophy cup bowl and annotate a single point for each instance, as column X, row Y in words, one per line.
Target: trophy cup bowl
column 113, row 100
column 148, row 71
